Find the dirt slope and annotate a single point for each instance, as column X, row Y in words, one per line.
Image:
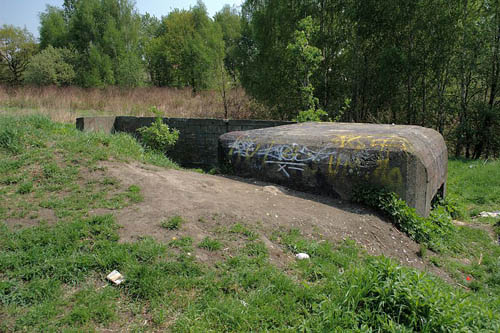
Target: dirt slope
column 209, row 203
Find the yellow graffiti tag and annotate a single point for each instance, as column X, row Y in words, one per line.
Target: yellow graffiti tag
column 360, row 142
column 267, row 153
column 387, row 175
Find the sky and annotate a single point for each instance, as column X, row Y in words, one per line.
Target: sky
column 24, row 13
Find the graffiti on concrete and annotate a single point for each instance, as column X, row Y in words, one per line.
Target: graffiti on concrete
column 344, row 154
column 285, row 156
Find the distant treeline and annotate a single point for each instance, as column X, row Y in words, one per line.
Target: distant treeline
column 434, row 63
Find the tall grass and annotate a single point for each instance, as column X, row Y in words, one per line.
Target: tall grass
column 64, row 104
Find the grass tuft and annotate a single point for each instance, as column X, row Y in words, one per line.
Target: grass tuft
column 25, row 188
column 172, row 223
column 210, row 244
column 242, row 230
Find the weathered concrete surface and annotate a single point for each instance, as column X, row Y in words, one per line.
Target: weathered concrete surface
column 335, row 158
column 96, row 124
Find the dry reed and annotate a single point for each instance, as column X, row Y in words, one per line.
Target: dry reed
column 65, row 104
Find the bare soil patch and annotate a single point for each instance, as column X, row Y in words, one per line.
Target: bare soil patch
column 212, row 204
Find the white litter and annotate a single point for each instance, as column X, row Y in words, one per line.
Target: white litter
column 275, row 190
column 490, row 214
column 115, row 277
column 302, row 256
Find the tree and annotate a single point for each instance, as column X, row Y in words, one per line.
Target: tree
column 306, row 59
column 53, row 28
column 105, row 35
column 487, row 129
column 433, row 63
column 265, row 70
column 186, row 50
column 229, row 22
column 52, row 66
column 17, row 46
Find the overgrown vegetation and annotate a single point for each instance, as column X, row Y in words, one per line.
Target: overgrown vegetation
column 469, row 254
column 53, row 269
column 436, row 231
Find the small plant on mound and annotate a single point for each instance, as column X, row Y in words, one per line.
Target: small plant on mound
column 435, row 231
column 25, row 188
column 158, row 136
column 451, row 206
column 210, row 244
column 172, row 223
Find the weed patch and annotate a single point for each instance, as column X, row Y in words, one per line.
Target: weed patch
column 172, row 223
column 182, row 243
column 468, row 254
column 240, row 229
column 436, row 231
column 210, row 244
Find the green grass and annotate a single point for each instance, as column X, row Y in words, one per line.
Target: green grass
column 238, row 228
column 210, row 244
column 52, row 275
column 339, row 288
column 470, row 255
column 172, row 223
column 474, row 186
column 52, row 166
column 181, row 243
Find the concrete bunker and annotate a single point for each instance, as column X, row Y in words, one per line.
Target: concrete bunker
column 327, row 158
column 335, row 158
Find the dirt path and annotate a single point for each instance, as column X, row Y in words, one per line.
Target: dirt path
column 209, row 202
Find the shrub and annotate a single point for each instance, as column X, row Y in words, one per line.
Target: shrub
column 51, row 66
column 158, row 136
column 312, row 115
